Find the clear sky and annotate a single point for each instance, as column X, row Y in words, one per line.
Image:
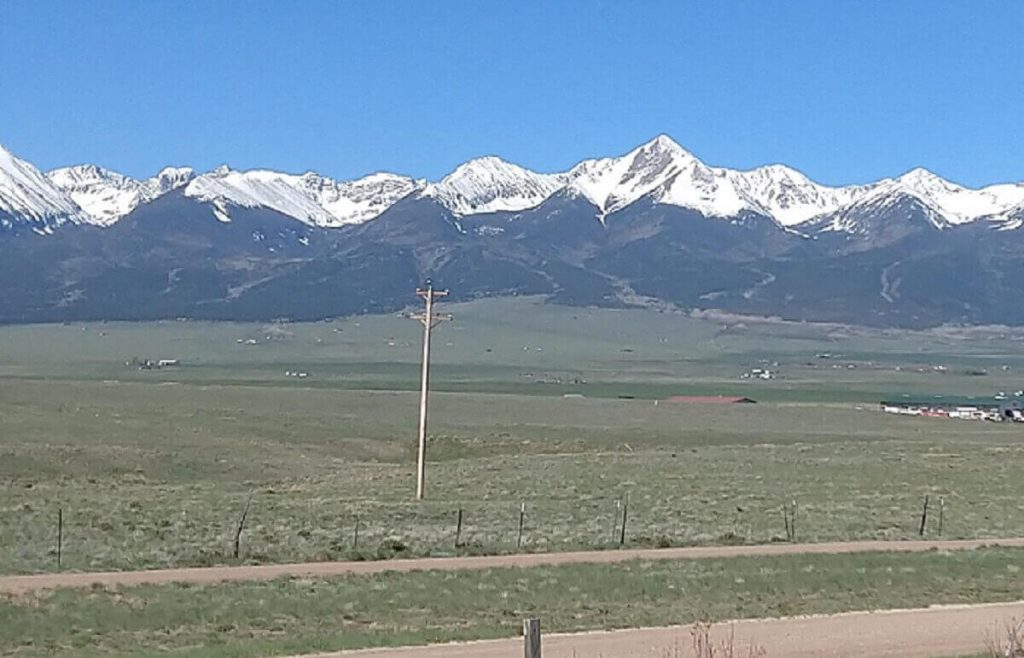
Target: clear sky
column 846, row 91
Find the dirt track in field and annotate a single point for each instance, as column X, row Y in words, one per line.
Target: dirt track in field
column 206, row 575
column 922, row 633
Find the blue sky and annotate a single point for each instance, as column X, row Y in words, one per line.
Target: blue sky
column 845, row 91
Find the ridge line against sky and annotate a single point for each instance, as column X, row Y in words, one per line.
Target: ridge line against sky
column 578, row 161
column 845, row 92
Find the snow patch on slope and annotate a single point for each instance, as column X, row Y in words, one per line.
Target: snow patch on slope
column 490, row 184
column 956, row 204
column 788, row 196
column 224, row 187
column 358, row 201
column 169, row 178
column 26, row 195
column 310, row 197
column 106, row 196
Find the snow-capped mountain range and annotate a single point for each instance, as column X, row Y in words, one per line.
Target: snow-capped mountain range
column 660, row 171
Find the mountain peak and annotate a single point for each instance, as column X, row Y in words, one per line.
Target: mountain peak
column 661, row 151
column 77, row 174
column 651, row 168
column 488, row 166
column 169, row 178
column 27, row 196
column 175, row 172
column 663, row 143
column 955, row 204
column 920, row 175
column 490, row 184
column 360, row 200
column 106, row 196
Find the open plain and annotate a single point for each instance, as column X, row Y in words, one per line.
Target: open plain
column 551, row 414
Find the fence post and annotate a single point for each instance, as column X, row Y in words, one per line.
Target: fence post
column 458, row 530
column 615, row 519
column 792, row 520
column 942, row 510
column 522, row 518
column 531, row 638
column 241, row 525
column 625, row 515
column 60, row 534
column 355, row 534
column 924, row 516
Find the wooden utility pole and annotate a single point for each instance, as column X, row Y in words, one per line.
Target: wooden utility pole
column 429, row 320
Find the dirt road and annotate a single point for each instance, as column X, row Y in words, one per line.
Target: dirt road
column 923, row 633
column 23, row 584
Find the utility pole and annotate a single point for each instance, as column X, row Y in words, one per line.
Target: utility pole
column 429, row 319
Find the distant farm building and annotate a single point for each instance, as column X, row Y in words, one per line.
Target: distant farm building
column 709, row 399
column 151, row 364
column 996, row 409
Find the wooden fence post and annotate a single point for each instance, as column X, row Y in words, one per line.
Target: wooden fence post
column 625, row 515
column 522, row 518
column 792, row 520
column 60, row 534
column 615, row 520
column 241, row 525
column 458, row 530
column 942, row 510
column 355, row 534
column 924, row 516
column 531, row 638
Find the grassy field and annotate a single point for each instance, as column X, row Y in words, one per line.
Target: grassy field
column 153, row 468
column 292, row 616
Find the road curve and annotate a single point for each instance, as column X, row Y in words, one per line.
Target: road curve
column 206, row 575
column 919, row 633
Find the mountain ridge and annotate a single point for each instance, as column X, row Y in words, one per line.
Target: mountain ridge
column 660, row 167
column 655, row 224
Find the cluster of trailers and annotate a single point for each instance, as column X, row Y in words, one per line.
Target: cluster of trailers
column 993, row 409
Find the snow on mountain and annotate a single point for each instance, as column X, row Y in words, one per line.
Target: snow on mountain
column 660, row 170
column 358, row 201
column 492, row 185
column 27, row 196
column 310, row 197
column 106, row 196
column 788, row 196
column 169, row 178
column 707, row 190
column 943, row 203
column 671, row 175
column 956, row 204
column 614, row 183
column 224, row 187
column 665, row 172
column 874, row 212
